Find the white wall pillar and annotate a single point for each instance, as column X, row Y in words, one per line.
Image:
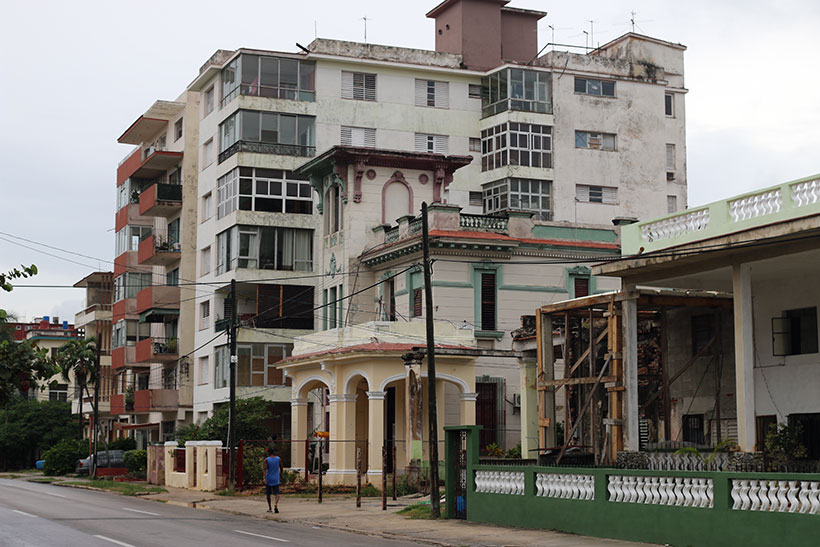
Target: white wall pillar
column 342, row 464
column 375, row 436
column 529, row 407
column 468, row 408
column 630, row 351
column 744, row 356
column 299, row 432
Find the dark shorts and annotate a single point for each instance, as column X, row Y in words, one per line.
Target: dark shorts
column 271, row 489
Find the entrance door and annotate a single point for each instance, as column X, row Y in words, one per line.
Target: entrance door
column 390, row 426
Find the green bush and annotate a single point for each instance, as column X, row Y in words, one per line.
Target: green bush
column 136, row 461
column 121, row 444
column 62, row 457
column 514, row 453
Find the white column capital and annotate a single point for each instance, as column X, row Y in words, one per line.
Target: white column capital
column 469, row 396
column 342, row 397
column 298, row 402
column 376, row 395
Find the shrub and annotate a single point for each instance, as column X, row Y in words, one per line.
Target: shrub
column 514, row 453
column 62, row 457
column 121, row 444
column 136, row 462
column 494, row 451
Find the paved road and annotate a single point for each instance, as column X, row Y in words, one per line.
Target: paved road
column 44, row 515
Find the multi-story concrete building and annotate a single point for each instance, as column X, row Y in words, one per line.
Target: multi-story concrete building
column 50, row 334
column 574, row 139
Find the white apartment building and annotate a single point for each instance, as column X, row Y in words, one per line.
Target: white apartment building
column 575, row 139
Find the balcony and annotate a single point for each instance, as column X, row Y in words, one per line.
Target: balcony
column 156, row 350
column 127, row 307
column 117, row 404
column 267, row 148
column 148, row 163
column 157, row 250
column 160, row 200
column 157, row 302
column 94, row 312
column 156, row 400
column 124, row 356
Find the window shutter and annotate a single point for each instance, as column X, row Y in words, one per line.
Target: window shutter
column 369, row 87
column 421, row 93
column 610, row 195
column 581, row 287
column 369, row 138
column 416, row 302
column 420, row 142
column 582, row 192
column 347, row 85
column 347, row 137
column 440, row 144
column 442, row 95
column 358, row 136
column 670, row 157
column 488, row 301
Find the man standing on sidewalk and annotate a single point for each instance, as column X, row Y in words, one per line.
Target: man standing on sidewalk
column 273, row 477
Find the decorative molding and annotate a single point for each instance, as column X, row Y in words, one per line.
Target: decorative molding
column 370, row 174
column 424, row 179
column 532, row 288
column 376, row 395
column 342, row 398
column 489, row 334
column 339, row 176
column 352, row 375
column 357, row 181
column 439, row 376
column 468, row 396
column 398, row 176
column 299, row 402
column 452, row 284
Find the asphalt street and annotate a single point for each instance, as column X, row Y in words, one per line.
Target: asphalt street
column 44, row 515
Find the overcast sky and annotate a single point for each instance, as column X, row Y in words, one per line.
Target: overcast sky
column 79, row 73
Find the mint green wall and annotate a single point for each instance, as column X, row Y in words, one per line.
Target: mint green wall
column 578, row 234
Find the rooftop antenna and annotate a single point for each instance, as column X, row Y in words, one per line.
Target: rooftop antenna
column 591, row 33
column 315, row 30
column 552, row 40
column 365, row 19
column 586, row 39
column 632, row 20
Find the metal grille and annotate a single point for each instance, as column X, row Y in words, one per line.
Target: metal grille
column 461, row 473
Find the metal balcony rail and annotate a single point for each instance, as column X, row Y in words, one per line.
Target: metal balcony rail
column 267, row 148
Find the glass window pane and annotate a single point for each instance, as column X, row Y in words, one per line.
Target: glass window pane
column 250, row 69
column 246, row 186
column 580, row 85
column 594, row 87
column 250, row 126
column 287, row 129
column 608, row 89
column 305, row 131
column 580, row 139
column 516, row 83
column 275, row 188
column 288, row 76
column 306, row 71
column 261, row 187
column 269, row 72
column 270, row 132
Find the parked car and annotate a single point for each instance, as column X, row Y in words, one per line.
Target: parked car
column 110, row 458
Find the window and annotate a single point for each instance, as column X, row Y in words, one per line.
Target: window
column 262, row 76
column 358, row 136
column 432, row 93
column 359, row 86
column 671, row 204
column 334, row 210
column 128, row 332
column 581, row 286
column 172, row 278
column 266, row 133
column 475, row 144
column 207, row 153
column 703, row 329
column 417, row 302
column 263, row 247
column 516, row 89
column 670, row 157
column 597, row 141
column 58, row 392
column 203, row 370
column 519, row 195
column 263, row 190
column 476, row 199
column 129, row 284
column 474, row 91
column 587, row 86
column 434, row 144
column 208, row 101
column 205, row 261
column 596, row 194
column 129, row 238
column 207, row 206
column 175, row 177
column 514, row 143
column 256, row 365
column 222, row 358
column 488, row 301
column 178, row 130
column 204, row 314
column 795, row 333
column 388, row 302
column 333, row 311
column 693, row 429
column 669, row 104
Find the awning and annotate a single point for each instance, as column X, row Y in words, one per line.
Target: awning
column 136, row 426
column 158, row 315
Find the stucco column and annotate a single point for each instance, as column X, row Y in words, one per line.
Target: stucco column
column 414, row 399
column 744, row 356
column 342, row 464
column 168, row 455
column 468, row 408
column 630, row 352
column 190, row 463
column 529, row 407
column 375, row 436
column 544, row 401
column 299, row 432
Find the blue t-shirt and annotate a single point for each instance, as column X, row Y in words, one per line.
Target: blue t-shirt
column 272, row 476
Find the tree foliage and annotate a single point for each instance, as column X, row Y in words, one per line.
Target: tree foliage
column 62, row 457
column 6, row 277
column 252, row 418
column 21, row 365
column 28, row 428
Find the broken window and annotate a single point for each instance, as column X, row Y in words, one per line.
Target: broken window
column 587, row 86
column 795, row 333
column 597, row 141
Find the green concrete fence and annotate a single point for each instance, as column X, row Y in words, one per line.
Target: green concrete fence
column 675, row 507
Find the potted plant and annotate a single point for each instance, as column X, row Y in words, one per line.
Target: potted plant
column 172, row 345
column 129, row 398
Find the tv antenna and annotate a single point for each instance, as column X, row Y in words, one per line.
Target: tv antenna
column 591, row 33
column 365, row 19
column 586, row 39
column 632, row 20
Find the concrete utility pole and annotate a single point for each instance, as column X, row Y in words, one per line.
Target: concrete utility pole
column 435, row 502
column 232, row 384
column 96, row 406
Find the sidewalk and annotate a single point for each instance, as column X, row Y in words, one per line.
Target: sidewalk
column 341, row 513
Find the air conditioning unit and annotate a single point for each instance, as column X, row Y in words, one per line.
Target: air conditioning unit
column 517, row 400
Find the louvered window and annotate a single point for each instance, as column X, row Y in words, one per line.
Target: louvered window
column 581, row 286
column 417, row 302
column 596, row 194
column 359, row 86
column 474, row 91
column 488, row 303
column 358, row 136
column 432, row 93
column 670, row 157
column 437, row 144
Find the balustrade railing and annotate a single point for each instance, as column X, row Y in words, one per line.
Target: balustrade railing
column 675, row 226
column 414, row 227
column 670, row 461
column 784, row 496
column 565, row 486
column 679, row 491
column 806, row 193
column 756, row 205
column 483, row 222
column 500, row 482
column 266, row 148
column 391, row 235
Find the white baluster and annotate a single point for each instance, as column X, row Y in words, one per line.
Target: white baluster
column 763, row 494
column 792, row 496
column 639, row 491
column 662, row 491
column 610, row 487
column 687, row 492
column 782, row 497
column 746, row 500
column 678, row 491
column 805, row 492
column 710, row 492
column 753, row 491
column 814, row 498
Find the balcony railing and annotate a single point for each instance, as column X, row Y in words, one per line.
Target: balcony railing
column 483, row 222
column 775, row 204
column 257, row 90
column 157, row 350
column 267, row 148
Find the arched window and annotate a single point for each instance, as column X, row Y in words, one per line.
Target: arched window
column 333, row 210
column 397, row 199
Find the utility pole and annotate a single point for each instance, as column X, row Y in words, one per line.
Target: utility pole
column 232, row 373
column 435, row 502
column 96, row 404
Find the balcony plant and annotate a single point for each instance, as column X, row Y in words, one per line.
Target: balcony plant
column 172, row 345
column 129, row 398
